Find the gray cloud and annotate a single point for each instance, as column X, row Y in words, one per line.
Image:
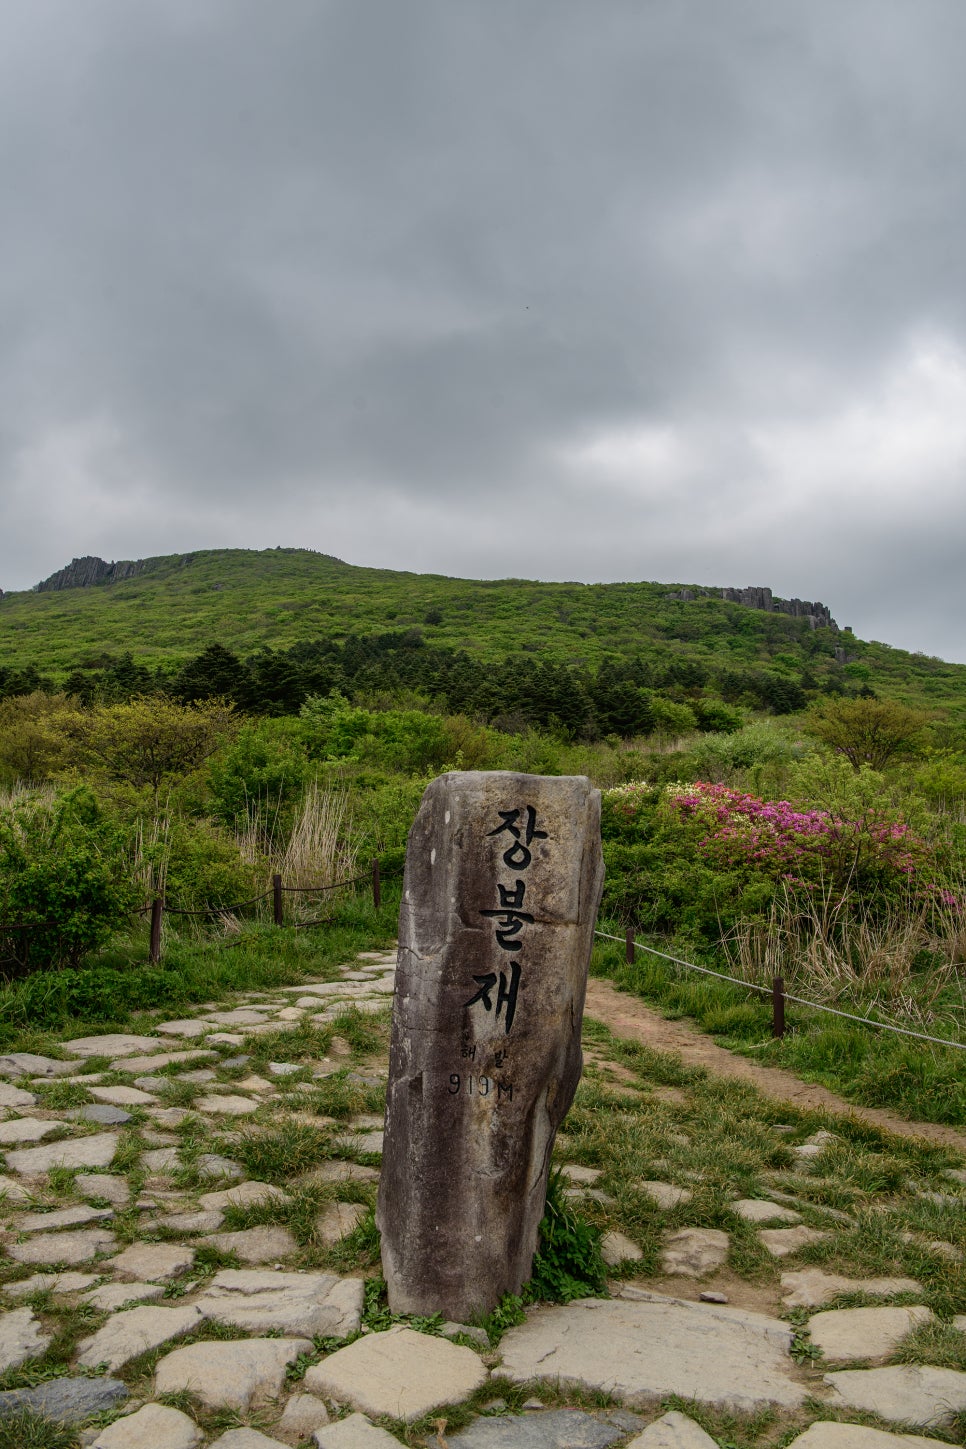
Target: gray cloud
column 570, row 289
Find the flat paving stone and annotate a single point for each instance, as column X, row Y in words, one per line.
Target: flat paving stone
column 21, row 1337
column 300, row 1303
column 213, row 1166
column 115, row 1190
column 338, row 1220
column 230, row 1105
column 362, row 1142
column 95, row 1151
column 782, row 1242
column 27, row 1129
column 76, row 1247
column 400, row 1373
column 245, row 1194
column 692, row 1252
column 100, row 1112
column 550, row 1429
column 161, row 1160
column 353, row 1432
column 246, row 1439
column 134, row 1331
column 860, row 1333
column 50, row 1283
column 856, row 1436
column 303, row 1414
column 757, row 1210
column 184, row 1026
column 137, row 1065
column 811, row 1287
column 673, row 1431
column 665, row 1194
column 15, row 1096
column 66, row 1400
column 153, row 1262
column 123, row 1096
column 112, row 1296
column 111, row 1044
column 254, row 1245
column 200, row 1222
column 154, row 1426
column 229, row 1375
column 70, row 1217
column 25, row 1064
column 643, row 1350
column 339, row 1170
column 11, row 1191
column 615, row 1248
column 907, row 1394
column 170, row 1116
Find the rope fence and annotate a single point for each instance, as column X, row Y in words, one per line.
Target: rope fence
column 158, row 908
column 779, row 996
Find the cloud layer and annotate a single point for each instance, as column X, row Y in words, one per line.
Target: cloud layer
column 559, row 288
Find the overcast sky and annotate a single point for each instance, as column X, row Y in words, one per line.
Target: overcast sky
column 565, row 289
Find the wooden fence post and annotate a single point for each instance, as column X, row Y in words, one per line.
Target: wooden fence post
column 154, row 950
column 778, row 1006
column 629, row 945
column 376, row 887
column 277, row 898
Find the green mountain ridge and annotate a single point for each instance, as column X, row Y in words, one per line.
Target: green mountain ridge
column 167, row 610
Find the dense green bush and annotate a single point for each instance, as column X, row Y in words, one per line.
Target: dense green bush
column 66, row 866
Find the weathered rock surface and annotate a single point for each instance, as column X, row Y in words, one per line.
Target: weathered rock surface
column 134, row 1331
column 244, row 1194
column 50, row 1283
column 756, row 1210
column 25, row 1064
column 70, row 1217
column 21, row 1337
column 26, row 1129
column 643, row 1350
column 551, row 1429
column 229, row 1375
column 294, row 1303
column 246, row 1439
column 100, row 1112
column 353, row 1432
column 781, row 1242
column 303, row 1414
column 111, row 1044
column 122, row 1096
column 75, row 1247
column 907, row 1394
column 153, row 1262
column 66, row 1401
column 665, row 1194
column 152, row 1427
column 399, row 1373
column 502, row 883
column 95, row 1151
column 673, row 1431
column 339, row 1219
column 15, row 1096
column 692, row 1252
column 254, row 1245
column 112, row 1296
column 858, row 1333
column 11, row 1191
column 115, row 1190
column 811, row 1287
column 616, row 1248
column 856, row 1436
column 227, row 1105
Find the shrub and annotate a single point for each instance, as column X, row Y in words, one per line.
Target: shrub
column 66, row 866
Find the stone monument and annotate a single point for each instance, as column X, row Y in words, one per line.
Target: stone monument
column 502, row 883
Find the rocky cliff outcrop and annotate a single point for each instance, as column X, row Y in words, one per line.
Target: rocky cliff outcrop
column 818, row 614
column 81, row 573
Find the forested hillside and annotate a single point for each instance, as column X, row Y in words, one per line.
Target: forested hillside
column 270, row 628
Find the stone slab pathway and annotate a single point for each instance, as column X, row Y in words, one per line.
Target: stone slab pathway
column 155, row 1218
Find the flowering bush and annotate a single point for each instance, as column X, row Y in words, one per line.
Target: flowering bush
column 735, row 830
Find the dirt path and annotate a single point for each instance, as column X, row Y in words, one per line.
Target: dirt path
column 627, row 1016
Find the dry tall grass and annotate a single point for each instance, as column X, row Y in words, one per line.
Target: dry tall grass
column 910, row 961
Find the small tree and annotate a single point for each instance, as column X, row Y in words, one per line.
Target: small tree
column 868, row 731
column 149, row 742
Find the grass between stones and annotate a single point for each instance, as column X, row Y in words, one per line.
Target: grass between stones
column 640, row 1116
